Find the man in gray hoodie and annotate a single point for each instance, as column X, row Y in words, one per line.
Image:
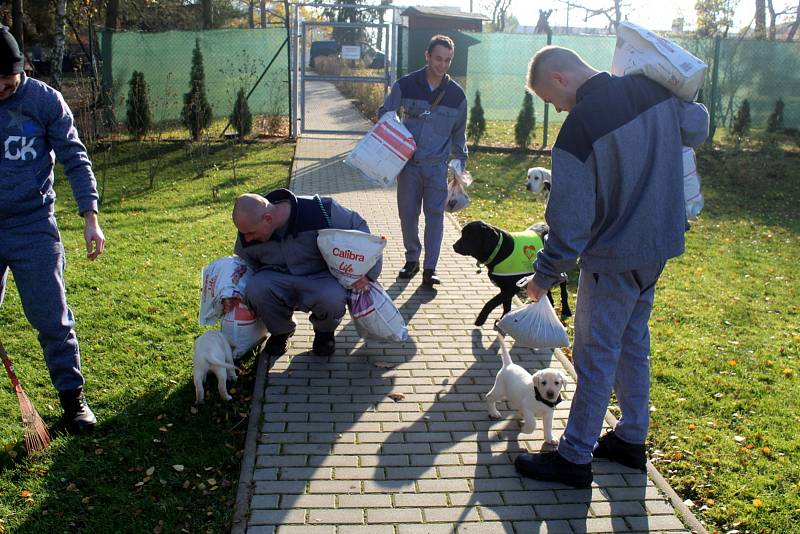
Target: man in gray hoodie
column 616, row 202
column 36, row 127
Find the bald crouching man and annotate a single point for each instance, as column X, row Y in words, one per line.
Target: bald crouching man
column 278, row 240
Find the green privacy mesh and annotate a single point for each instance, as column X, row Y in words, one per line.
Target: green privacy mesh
column 232, row 58
column 496, row 65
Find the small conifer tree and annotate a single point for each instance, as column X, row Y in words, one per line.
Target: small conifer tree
column 241, row 118
column 526, row 122
column 196, row 112
column 741, row 123
column 477, row 123
column 775, row 120
column 138, row 118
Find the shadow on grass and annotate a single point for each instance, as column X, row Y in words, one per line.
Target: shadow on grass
column 153, row 466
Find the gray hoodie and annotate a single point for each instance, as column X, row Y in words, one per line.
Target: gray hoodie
column 616, row 198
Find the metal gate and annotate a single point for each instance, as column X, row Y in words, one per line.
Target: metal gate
column 337, row 60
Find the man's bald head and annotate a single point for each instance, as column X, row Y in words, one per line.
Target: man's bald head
column 249, row 206
column 255, row 217
column 555, row 74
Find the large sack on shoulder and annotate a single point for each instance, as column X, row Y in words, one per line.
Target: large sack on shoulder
column 535, row 326
column 640, row 51
column 375, row 315
column 350, row 254
column 384, row 151
column 226, row 278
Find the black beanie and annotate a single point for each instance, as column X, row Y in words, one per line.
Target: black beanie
column 11, row 60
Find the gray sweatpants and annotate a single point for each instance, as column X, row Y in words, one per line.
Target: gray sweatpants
column 611, row 350
column 274, row 297
column 422, row 187
column 34, row 254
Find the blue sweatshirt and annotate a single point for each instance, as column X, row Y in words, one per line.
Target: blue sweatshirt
column 439, row 133
column 616, row 198
column 36, row 127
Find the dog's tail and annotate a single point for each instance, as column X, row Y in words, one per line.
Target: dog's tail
column 504, row 351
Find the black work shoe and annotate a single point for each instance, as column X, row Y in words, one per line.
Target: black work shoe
column 610, row 447
column 324, row 343
column 552, row 467
column 429, row 278
column 78, row 417
column 277, row 344
column 409, row 270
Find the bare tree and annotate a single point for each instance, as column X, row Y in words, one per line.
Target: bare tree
column 761, row 20
column 795, row 24
column 543, row 25
column 57, row 58
column 262, row 6
column 773, row 16
column 613, row 12
column 499, row 9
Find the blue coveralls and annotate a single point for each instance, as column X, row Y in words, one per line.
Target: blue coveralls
column 36, row 126
column 422, row 184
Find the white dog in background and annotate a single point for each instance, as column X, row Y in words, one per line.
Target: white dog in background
column 539, row 181
column 533, row 396
column 212, row 352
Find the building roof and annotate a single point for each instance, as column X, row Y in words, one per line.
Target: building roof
column 443, row 12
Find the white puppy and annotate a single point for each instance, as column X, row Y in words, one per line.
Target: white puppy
column 533, row 396
column 213, row 353
column 539, row 181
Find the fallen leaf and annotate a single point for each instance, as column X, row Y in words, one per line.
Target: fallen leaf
column 739, row 439
column 396, row 396
column 193, row 410
column 150, row 471
column 178, row 467
column 72, row 487
column 25, row 494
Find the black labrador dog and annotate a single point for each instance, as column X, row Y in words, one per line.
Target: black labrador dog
column 491, row 245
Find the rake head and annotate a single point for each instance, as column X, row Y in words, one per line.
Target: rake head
column 37, row 438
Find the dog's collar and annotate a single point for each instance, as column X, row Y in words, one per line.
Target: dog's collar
column 495, row 251
column 545, row 401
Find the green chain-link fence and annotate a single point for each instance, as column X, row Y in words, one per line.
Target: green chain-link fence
column 496, row 65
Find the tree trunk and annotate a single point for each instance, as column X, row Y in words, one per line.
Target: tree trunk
column 262, row 6
column 772, row 17
column 795, row 25
column 16, row 23
column 208, row 15
column 761, row 19
column 57, row 58
column 251, row 15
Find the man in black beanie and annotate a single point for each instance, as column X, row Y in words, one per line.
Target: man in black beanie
column 35, row 125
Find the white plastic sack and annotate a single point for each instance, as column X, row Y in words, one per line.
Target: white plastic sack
column 375, row 315
column 384, row 151
column 535, row 326
column 640, row 51
column 227, row 278
column 457, row 198
column 691, row 185
column 350, row 254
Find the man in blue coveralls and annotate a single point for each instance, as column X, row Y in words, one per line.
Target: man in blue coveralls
column 435, row 112
column 35, row 123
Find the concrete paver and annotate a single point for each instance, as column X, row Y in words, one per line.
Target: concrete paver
column 336, row 454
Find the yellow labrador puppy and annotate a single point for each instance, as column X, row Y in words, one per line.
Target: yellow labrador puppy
column 533, row 396
column 213, row 353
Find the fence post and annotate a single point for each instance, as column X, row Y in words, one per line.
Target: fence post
column 545, row 124
column 713, row 101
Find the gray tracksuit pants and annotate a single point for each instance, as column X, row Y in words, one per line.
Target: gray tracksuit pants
column 275, row 296
column 611, row 350
column 422, row 187
column 34, row 254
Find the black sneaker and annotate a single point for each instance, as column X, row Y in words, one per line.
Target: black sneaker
column 552, row 467
column 277, row 344
column 324, row 343
column 78, row 417
column 429, row 278
column 610, row 447
column 409, row 270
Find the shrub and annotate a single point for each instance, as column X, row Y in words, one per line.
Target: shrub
column 477, row 123
column 138, row 118
column 741, row 123
column 241, row 118
column 526, row 121
column 196, row 112
column 775, row 120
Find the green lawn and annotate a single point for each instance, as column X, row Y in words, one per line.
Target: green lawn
column 136, row 308
column 725, row 333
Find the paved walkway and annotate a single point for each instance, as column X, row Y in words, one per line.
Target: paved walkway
column 331, row 452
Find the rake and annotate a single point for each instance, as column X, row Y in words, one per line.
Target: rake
column 37, row 438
